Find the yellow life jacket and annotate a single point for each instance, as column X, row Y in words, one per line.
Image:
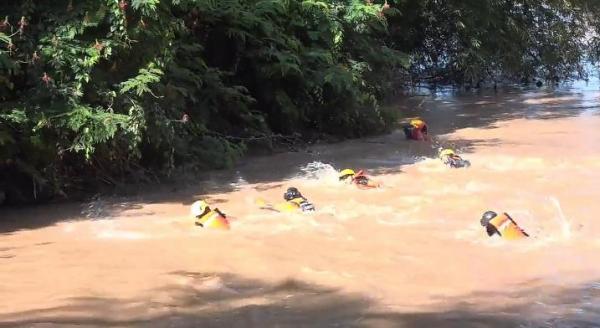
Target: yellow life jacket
column 287, row 207
column 507, row 227
column 295, row 204
column 213, row 219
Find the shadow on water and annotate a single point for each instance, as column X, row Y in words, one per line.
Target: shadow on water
column 446, row 115
column 225, row 300
column 38, row 216
column 378, row 155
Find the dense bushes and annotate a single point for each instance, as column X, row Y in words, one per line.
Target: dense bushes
column 98, row 90
column 469, row 42
column 106, row 88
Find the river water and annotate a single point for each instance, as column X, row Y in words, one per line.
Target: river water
column 410, row 254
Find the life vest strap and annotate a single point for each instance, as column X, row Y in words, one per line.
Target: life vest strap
column 303, row 204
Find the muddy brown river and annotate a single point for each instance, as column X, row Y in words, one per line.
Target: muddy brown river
column 410, row 254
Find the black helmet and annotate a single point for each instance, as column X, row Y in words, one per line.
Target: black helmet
column 291, row 193
column 487, row 217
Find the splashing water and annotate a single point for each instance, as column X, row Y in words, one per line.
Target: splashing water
column 565, row 224
column 415, row 245
column 317, row 171
column 240, row 182
column 95, row 209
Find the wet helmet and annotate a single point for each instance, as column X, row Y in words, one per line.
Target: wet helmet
column 199, row 208
column 487, row 217
column 446, row 152
column 417, row 123
column 291, row 193
column 345, row 174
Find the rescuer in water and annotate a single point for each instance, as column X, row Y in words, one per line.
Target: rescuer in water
column 449, row 158
column 416, row 129
column 294, row 198
column 294, row 201
column 360, row 179
column 208, row 218
column 502, row 225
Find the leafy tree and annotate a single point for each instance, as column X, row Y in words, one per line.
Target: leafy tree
column 468, row 42
column 101, row 91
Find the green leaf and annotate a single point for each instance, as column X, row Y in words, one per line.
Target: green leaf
column 140, row 84
column 15, row 116
column 4, row 38
column 147, row 7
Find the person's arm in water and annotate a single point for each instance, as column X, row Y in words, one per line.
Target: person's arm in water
column 220, row 213
column 455, row 161
column 491, row 230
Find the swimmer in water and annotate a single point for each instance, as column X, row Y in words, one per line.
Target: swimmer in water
column 359, row 179
column 502, row 225
column 449, row 158
column 208, row 218
column 294, row 201
column 416, row 129
column 295, row 198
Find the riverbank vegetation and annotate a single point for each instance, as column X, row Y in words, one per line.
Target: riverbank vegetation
column 107, row 91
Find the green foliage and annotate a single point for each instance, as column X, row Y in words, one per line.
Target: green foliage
column 215, row 152
column 4, row 38
column 468, row 42
column 100, row 89
column 140, row 83
column 90, row 127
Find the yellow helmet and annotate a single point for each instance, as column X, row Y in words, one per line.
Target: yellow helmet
column 346, row 173
column 446, row 152
column 199, row 207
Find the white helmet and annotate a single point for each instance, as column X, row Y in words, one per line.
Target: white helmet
column 198, row 208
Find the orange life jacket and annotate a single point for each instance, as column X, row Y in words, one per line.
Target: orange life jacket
column 506, row 227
